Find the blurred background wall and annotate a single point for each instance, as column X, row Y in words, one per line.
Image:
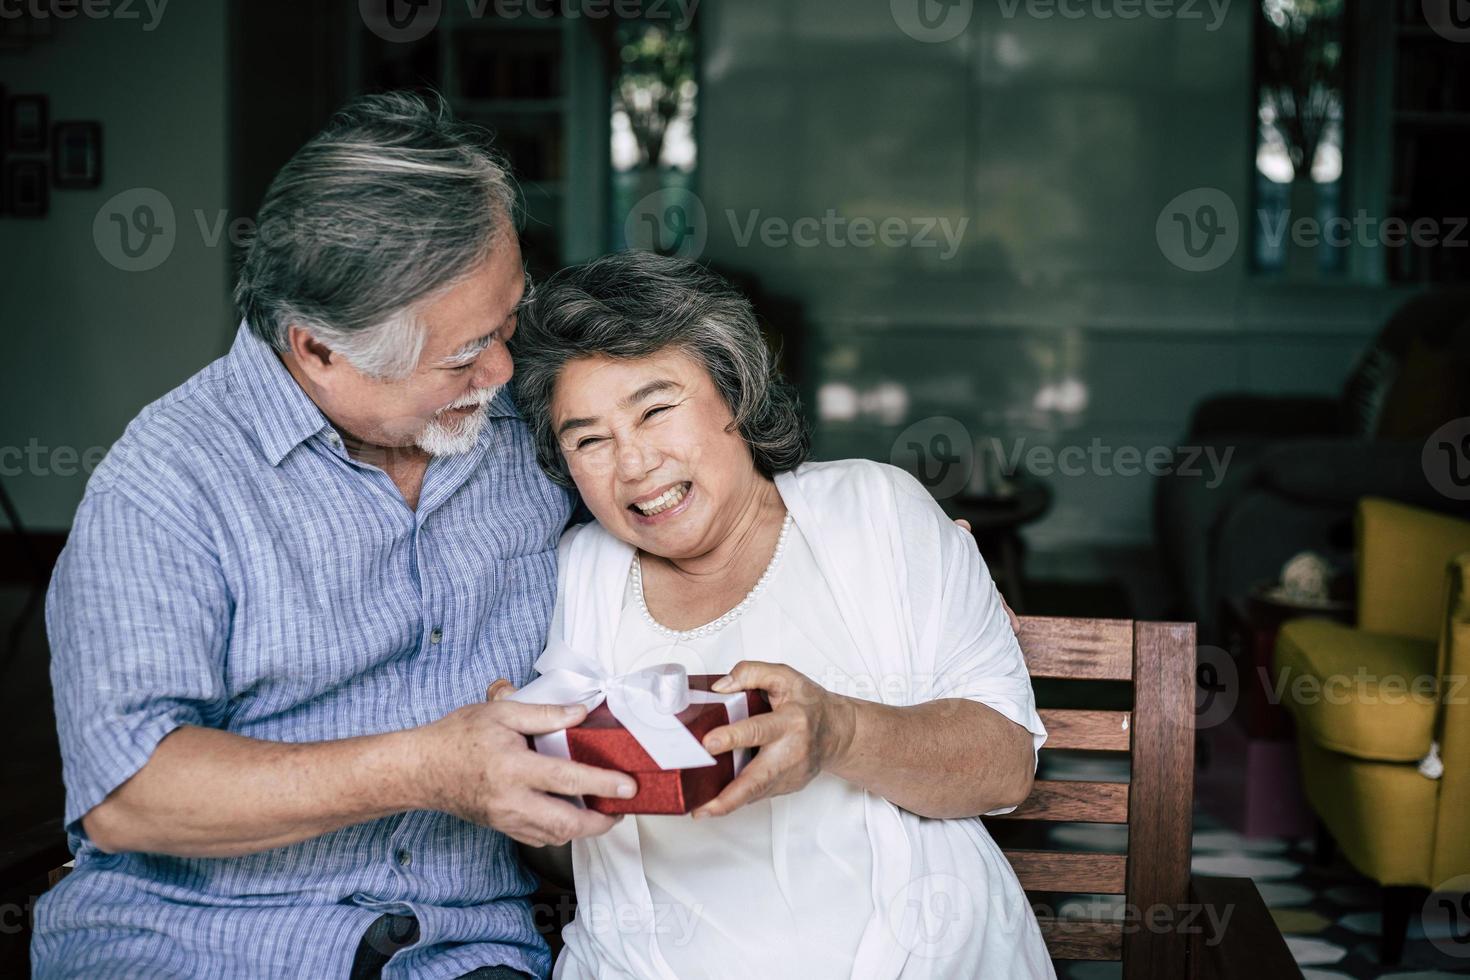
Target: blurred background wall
column 1049, row 145
column 87, row 344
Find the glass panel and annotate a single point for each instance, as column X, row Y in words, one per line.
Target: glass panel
column 653, row 148
column 1299, row 143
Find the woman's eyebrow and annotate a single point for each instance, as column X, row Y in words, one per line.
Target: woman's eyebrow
column 652, row 388
column 574, row 424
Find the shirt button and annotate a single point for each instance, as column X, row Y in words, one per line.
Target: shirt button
column 404, row 857
column 435, row 635
column 333, row 438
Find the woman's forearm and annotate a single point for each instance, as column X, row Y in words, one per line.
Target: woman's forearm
column 946, row 758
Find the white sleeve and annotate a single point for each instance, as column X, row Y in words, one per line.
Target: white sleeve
column 977, row 655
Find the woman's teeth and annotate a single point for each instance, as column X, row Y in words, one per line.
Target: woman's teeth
column 669, row 498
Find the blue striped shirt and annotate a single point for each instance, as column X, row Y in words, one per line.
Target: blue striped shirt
column 230, row 566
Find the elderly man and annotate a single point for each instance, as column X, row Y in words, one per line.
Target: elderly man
column 287, row 589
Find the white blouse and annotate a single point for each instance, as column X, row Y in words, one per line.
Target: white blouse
column 877, row 595
column 720, row 878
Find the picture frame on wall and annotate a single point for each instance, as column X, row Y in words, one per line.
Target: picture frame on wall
column 26, row 123
column 76, row 154
column 26, row 194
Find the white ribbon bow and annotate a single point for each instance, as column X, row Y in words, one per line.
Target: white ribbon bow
column 645, row 702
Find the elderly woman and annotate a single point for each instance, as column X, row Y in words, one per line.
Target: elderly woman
column 851, row 844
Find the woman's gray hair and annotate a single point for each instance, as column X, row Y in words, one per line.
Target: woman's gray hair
column 390, row 205
column 633, row 305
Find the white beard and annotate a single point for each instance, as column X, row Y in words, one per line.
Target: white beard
column 443, row 437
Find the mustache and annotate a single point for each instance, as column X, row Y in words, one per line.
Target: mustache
column 474, row 399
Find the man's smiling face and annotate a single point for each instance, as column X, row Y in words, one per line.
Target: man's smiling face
column 440, row 406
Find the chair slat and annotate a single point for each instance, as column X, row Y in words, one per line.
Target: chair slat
column 1060, row 871
column 1068, row 800
column 1094, row 731
column 1082, row 939
column 1085, row 649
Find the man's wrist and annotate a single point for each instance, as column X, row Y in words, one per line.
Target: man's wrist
column 410, row 758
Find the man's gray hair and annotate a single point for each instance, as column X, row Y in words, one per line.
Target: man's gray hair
column 390, row 205
column 633, row 305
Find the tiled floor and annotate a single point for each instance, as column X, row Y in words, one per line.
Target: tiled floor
column 1330, row 915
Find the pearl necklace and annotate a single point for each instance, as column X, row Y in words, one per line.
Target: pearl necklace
column 714, row 625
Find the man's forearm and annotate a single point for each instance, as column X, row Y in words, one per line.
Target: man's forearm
column 208, row 793
column 946, row 758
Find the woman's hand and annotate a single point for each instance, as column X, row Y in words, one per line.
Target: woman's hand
column 807, row 728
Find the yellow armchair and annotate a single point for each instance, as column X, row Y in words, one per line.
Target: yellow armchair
column 1382, row 709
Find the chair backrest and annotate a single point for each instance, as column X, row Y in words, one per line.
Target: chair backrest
column 1154, row 803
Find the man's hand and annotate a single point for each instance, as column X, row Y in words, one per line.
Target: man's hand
column 806, row 729
column 476, row 765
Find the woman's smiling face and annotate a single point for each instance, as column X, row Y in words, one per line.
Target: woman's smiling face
column 654, row 450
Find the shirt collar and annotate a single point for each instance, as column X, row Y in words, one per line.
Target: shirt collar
column 283, row 415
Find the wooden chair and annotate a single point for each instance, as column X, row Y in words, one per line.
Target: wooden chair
column 1155, row 804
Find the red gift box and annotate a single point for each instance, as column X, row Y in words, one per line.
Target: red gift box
column 602, row 741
